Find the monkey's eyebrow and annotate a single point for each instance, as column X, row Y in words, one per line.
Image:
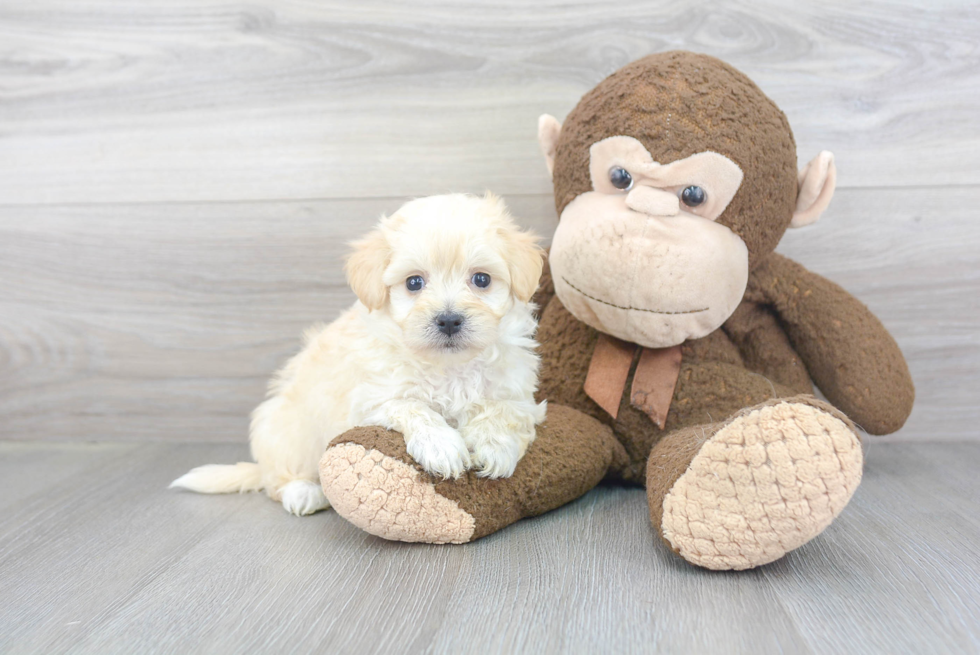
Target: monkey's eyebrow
column 635, row 309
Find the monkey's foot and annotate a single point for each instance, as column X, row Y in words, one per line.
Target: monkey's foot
column 745, row 492
column 371, row 480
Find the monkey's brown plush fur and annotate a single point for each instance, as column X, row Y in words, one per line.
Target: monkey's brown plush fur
column 749, row 465
column 678, row 104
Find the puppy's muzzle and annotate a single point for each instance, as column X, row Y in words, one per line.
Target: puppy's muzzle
column 449, row 323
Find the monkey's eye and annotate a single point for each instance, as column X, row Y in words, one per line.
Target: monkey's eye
column 481, row 280
column 693, row 196
column 415, row 283
column 620, row 178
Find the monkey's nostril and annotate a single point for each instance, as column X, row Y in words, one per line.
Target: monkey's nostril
column 449, row 323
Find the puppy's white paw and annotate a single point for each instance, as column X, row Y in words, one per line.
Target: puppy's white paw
column 495, row 450
column 497, row 459
column 440, row 451
column 302, row 497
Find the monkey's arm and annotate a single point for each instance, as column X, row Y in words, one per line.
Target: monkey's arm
column 765, row 348
column 845, row 348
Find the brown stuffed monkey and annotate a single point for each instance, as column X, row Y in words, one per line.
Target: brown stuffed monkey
column 678, row 350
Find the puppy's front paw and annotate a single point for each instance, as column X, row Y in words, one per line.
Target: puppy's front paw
column 496, row 459
column 440, row 451
column 493, row 452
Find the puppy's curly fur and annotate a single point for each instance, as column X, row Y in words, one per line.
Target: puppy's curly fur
column 439, row 346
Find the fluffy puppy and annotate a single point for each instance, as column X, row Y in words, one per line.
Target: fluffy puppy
column 439, row 346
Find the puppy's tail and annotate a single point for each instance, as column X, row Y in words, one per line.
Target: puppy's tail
column 221, row 478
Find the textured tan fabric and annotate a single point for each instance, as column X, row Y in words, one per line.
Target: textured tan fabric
column 761, row 486
column 385, row 497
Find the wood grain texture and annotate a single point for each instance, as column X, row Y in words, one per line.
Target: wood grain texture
column 139, row 101
column 163, row 322
column 166, row 321
column 97, row 556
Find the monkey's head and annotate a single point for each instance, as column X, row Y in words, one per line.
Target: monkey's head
column 673, row 178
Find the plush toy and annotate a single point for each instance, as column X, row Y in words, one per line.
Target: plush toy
column 678, row 350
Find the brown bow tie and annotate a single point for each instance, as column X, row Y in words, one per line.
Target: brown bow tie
column 653, row 382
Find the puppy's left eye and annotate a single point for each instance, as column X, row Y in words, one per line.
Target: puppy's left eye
column 481, row 280
column 415, row 283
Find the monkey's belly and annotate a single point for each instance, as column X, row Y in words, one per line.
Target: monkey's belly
column 713, row 383
column 707, row 392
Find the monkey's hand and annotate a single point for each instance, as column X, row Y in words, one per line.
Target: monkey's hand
column 845, row 348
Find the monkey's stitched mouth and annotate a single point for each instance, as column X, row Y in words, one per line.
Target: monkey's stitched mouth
column 633, row 309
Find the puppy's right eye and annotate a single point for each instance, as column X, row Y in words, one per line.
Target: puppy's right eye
column 415, row 283
column 481, row 280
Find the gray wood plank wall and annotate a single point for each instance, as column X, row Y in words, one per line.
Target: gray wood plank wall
column 178, row 179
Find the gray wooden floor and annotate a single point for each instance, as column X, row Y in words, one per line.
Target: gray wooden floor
column 96, row 556
column 177, row 182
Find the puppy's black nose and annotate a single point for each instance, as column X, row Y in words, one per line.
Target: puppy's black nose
column 449, row 324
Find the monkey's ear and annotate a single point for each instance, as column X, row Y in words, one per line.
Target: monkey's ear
column 548, row 131
column 365, row 267
column 817, row 181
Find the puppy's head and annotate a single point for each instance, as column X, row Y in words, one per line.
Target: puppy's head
column 446, row 269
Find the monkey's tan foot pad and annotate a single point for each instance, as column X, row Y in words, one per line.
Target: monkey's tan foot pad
column 768, row 481
column 390, row 498
column 371, row 480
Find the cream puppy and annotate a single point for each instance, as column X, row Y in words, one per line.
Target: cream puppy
column 439, row 346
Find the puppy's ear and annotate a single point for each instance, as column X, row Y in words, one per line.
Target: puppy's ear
column 366, row 265
column 525, row 259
